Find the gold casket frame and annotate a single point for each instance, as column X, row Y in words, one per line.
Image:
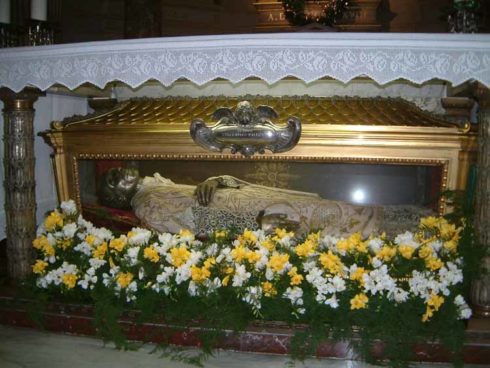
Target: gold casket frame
column 345, row 130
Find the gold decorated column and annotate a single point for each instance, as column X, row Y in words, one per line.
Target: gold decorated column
column 481, row 288
column 19, row 185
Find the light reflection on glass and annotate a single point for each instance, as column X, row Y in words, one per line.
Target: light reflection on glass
column 358, row 195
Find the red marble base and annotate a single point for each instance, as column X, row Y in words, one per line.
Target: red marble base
column 266, row 337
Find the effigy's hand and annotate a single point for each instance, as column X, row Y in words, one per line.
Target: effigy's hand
column 205, row 191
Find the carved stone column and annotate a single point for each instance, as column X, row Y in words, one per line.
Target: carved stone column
column 481, row 288
column 20, row 194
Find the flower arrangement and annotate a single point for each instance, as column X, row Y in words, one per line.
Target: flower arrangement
column 414, row 280
column 332, row 11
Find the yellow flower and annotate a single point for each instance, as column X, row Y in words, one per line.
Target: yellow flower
column 435, row 301
column 239, row 253
column 118, row 244
column 281, row 233
column 433, row 263
column 306, row 248
column 451, row 245
column 179, row 255
column 278, row 261
column 331, row 262
column 64, row 244
column 359, row 301
column 151, row 254
column 54, row 220
column 406, row 251
column 209, row 262
column 353, row 242
column 425, row 252
column 100, row 251
column 315, row 237
column 40, row 242
column 268, row 244
column 427, row 315
column 225, row 280
column 247, row 237
column 229, row 271
column 448, row 230
column 69, row 280
column 90, row 239
column 220, row 234
column 343, row 245
column 124, row 279
column 199, row 274
column 362, row 247
column 386, row 253
column 39, row 266
column 253, row 257
column 296, row 278
column 357, row 275
column 49, row 250
column 186, row 233
column 269, row 289
column 430, row 221
column 433, row 304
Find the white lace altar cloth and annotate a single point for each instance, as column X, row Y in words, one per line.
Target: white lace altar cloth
column 382, row 57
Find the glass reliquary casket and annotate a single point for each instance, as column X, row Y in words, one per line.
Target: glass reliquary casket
column 368, row 151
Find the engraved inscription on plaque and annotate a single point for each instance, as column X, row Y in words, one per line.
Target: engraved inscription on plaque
column 247, row 130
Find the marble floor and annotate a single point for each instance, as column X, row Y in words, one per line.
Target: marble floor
column 26, row 348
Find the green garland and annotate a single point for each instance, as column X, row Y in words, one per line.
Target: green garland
column 294, row 11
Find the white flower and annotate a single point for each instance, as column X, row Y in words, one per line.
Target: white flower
column 195, row 257
column 375, row 245
column 84, row 248
column 338, row 283
column 89, row 279
column 436, row 245
column 262, row 262
column 376, row 262
column 168, row 240
column 96, row 263
column 182, row 274
column 378, row 281
column 132, row 255
column 450, row 274
column 308, row 266
column 294, row 294
column 269, row 274
column 84, row 223
column 68, row 207
column 101, row 234
column 252, row 296
column 464, row 311
column 398, row 295
column 328, row 242
column 164, row 277
column 407, row 238
column 140, row 236
column 192, row 289
column 241, row 276
column 332, row 301
column 69, row 230
column 212, row 250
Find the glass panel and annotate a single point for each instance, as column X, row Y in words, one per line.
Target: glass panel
column 369, row 184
